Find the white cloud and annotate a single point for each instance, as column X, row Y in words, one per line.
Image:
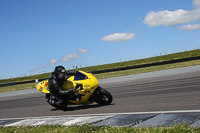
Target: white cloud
column 196, row 3
column 53, row 61
column 33, row 69
column 80, row 51
column 190, row 27
column 118, row 37
column 171, row 18
column 70, row 57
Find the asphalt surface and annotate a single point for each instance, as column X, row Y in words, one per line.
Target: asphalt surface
column 161, row 93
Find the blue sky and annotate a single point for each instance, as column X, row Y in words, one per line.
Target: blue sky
column 37, row 35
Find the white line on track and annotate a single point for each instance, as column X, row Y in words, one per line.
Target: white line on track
column 109, row 114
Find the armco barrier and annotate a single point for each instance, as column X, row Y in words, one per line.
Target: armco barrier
column 117, row 69
column 7, row 84
column 146, row 65
column 16, row 83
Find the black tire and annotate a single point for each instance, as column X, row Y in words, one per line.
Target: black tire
column 102, row 96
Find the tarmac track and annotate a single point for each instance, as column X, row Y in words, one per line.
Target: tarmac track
column 163, row 93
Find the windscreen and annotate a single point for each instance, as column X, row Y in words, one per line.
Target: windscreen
column 80, row 76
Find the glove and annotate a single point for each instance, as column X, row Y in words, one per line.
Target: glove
column 75, row 89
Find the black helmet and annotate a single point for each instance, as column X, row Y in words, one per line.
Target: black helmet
column 60, row 72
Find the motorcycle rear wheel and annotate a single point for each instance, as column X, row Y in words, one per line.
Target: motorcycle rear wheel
column 102, row 96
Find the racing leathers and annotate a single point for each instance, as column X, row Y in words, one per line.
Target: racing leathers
column 57, row 92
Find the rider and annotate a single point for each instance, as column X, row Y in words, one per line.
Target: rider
column 56, row 80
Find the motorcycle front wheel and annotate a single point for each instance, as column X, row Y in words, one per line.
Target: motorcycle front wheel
column 102, row 96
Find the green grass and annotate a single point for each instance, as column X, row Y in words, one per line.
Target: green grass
column 101, row 129
column 147, row 69
column 112, row 74
column 17, row 87
column 114, row 65
column 27, row 78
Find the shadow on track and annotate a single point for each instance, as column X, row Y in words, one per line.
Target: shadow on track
column 80, row 107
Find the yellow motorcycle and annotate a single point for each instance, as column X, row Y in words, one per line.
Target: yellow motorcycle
column 88, row 90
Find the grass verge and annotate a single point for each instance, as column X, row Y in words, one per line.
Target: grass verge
column 147, row 69
column 192, row 53
column 159, row 58
column 17, row 87
column 102, row 129
column 112, row 74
